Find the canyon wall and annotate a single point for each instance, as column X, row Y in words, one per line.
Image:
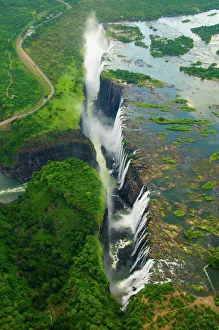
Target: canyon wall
column 53, row 146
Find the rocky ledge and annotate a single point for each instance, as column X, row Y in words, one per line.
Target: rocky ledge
column 53, row 146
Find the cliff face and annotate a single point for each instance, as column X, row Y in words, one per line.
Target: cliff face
column 53, row 146
column 109, row 97
column 108, row 102
column 132, row 185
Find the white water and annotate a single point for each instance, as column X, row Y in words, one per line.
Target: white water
column 136, row 222
column 135, row 282
column 113, row 140
column 95, row 46
column 199, row 93
column 18, row 189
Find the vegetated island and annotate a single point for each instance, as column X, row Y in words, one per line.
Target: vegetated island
column 206, row 32
column 186, row 20
column 139, row 79
column 126, row 34
column 161, row 46
column 209, row 73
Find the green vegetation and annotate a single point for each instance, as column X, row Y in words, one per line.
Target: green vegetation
column 208, row 198
column 186, row 20
column 179, row 213
column 139, row 79
column 180, row 121
column 169, row 160
column 126, row 33
column 183, row 105
column 206, row 131
column 109, row 10
column 51, row 258
column 19, row 89
column 217, row 52
column 162, row 306
column 62, row 62
column 162, row 135
column 178, row 128
column 213, row 258
column 197, row 63
column 180, row 101
column 151, row 105
column 206, row 32
column 212, row 14
column 191, row 234
column 140, row 43
column 209, row 185
column 163, row 46
column 186, row 108
column 214, row 157
column 216, row 299
column 52, row 275
column 210, row 73
column 216, row 113
column 185, row 140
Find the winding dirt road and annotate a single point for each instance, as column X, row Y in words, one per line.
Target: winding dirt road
column 42, row 78
column 29, row 63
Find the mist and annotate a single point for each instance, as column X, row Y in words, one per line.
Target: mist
column 95, row 46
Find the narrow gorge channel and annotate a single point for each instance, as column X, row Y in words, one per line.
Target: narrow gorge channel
column 126, row 252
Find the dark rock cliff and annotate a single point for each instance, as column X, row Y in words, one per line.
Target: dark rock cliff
column 53, row 146
column 132, row 185
column 109, row 97
column 108, row 102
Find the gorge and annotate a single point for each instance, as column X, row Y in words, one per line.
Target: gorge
column 113, row 223
column 111, row 137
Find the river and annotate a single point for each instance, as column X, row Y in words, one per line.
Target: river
column 9, row 189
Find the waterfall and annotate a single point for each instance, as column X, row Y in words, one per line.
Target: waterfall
column 113, row 141
column 122, row 180
column 135, row 282
column 95, row 46
column 135, row 222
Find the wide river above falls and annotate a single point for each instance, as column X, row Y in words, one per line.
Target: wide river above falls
column 200, row 94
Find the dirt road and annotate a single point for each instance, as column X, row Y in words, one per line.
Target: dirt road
column 44, row 80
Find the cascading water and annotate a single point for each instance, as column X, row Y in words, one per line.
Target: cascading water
column 113, row 141
column 134, row 222
column 95, row 46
